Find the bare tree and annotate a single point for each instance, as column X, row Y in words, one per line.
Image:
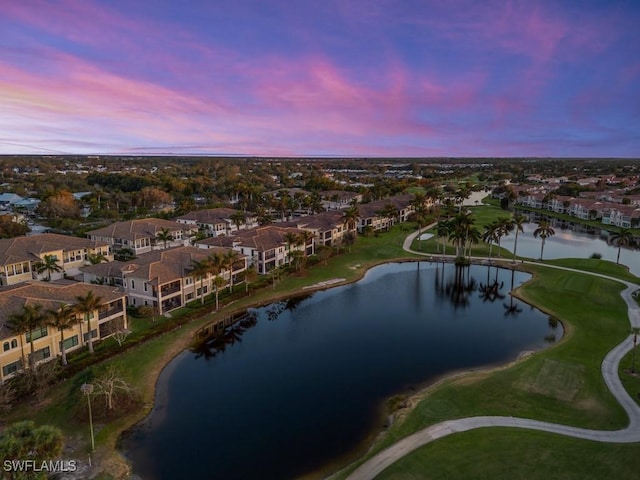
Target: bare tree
column 111, row 386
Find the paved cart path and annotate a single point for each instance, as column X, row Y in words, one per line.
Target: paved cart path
column 609, row 368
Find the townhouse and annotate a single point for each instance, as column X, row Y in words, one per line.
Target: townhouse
column 109, row 318
column 370, row 214
column 265, row 247
column 164, row 279
column 328, row 228
column 21, row 256
column 143, row 235
column 214, row 222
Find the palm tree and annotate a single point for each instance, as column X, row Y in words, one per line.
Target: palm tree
column 48, row 264
column 238, row 218
column 87, row 305
column 518, row 225
column 216, row 264
column 390, row 212
column 543, row 231
column 442, row 230
column 490, row 235
column 250, row 276
column 199, row 270
column 164, row 235
column 18, row 323
column 505, row 225
column 305, row 237
column 229, row 258
column 96, row 258
column 63, row 319
column 473, row 237
column 291, row 238
column 620, row 238
column 350, row 217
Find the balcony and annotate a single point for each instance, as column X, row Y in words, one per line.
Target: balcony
column 102, row 314
column 170, row 289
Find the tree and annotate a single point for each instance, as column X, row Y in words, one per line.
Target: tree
column 87, row 305
column 291, row 238
column 390, row 212
column 623, row 237
column 151, row 198
column 25, row 441
column 250, row 276
column 543, row 231
column 164, row 235
column 216, row 264
column 29, row 319
column 518, row 225
column 490, row 235
column 18, row 323
column 229, row 259
column 238, row 218
column 443, row 228
column 60, row 205
column 505, row 226
column 63, row 319
column 111, row 385
column 96, row 258
column 199, row 271
column 48, row 264
column 350, row 217
column 349, row 238
column 304, row 238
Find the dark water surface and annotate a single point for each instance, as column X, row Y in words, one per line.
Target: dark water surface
column 298, row 384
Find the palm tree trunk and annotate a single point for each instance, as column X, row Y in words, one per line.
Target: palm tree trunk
column 24, row 360
column 542, row 249
column 618, row 257
column 201, row 291
column 217, row 301
column 515, row 246
column 63, row 352
column 90, row 337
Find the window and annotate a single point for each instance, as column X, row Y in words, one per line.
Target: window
column 6, row 347
column 146, row 286
column 14, row 343
column 70, row 342
column 36, row 334
column 133, row 285
column 85, row 336
column 42, row 354
column 11, row 368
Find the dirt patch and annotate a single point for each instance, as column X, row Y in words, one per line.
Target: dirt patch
column 559, row 380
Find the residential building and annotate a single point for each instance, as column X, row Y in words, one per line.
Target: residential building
column 20, row 256
column 163, row 279
column 219, row 221
column 266, row 247
column 109, row 318
column 141, row 236
column 328, row 228
column 370, row 213
column 339, row 199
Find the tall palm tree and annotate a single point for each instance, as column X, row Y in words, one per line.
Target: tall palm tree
column 620, row 238
column 505, row 226
column 473, row 237
column 544, row 231
column 390, row 212
column 86, row 306
column 63, row 319
column 18, row 323
column 350, row 217
column 291, row 238
column 230, row 258
column 518, row 222
column 238, row 218
column 490, row 235
column 305, row 237
column 48, row 264
column 199, row 271
column 216, row 264
column 164, row 235
column 442, row 230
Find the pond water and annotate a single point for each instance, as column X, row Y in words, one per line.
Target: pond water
column 571, row 241
column 298, row 384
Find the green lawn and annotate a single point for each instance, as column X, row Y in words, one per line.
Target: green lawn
column 562, row 384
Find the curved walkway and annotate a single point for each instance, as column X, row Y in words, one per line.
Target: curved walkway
column 630, row 434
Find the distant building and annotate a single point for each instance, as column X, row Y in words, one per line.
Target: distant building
column 219, row 221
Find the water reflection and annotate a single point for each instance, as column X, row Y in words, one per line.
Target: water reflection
column 214, row 339
column 513, row 308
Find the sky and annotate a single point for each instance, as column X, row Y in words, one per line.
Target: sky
column 379, row 78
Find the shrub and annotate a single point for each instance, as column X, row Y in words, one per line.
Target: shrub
column 596, row 255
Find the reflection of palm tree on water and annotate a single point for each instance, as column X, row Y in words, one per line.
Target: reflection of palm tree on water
column 459, row 288
column 214, row 342
column 512, row 308
column 490, row 291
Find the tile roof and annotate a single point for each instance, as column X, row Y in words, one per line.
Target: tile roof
column 137, row 229
column 261, row 239
column 211, row 216
column 50, row 295
column 22, row 249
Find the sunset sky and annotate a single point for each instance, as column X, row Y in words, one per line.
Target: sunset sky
column 332, row 77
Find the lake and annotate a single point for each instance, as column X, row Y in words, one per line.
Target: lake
column 571, row 241
column 299, row 384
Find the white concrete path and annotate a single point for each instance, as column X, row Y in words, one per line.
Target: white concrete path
column 630, row 434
